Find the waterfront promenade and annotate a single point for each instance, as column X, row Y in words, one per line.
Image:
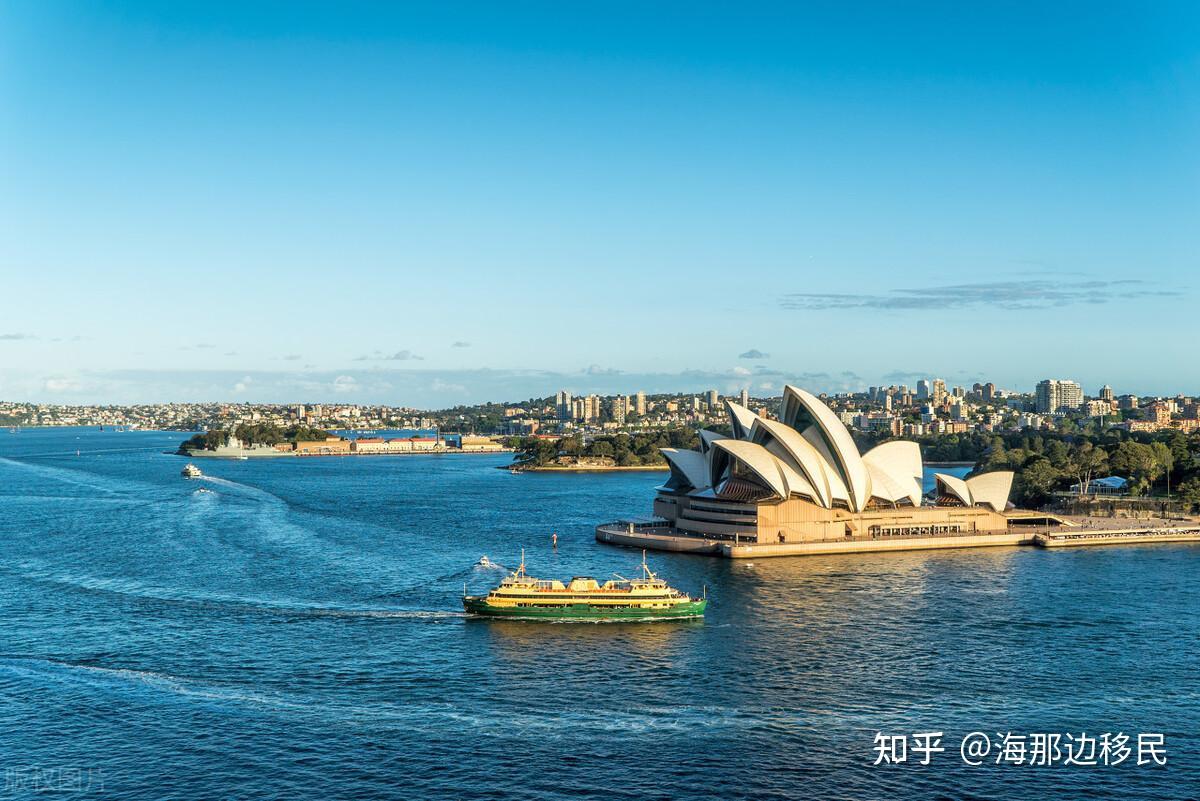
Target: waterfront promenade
column 1072, row 533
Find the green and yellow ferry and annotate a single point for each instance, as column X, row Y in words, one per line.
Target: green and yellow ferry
column 583, row 598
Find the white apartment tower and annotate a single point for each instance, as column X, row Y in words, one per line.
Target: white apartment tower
column 1055, row 396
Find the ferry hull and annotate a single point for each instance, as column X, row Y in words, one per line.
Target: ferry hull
column 480, row 606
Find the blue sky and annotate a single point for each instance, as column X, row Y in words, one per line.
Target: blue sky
column 441, row 203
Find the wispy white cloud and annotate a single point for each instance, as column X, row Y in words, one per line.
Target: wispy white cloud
column 397, row 356
column 57, row 384
column 1034, row 293
column 344, row 384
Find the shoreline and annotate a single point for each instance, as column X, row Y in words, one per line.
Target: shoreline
column 668, row 538
column 294, row 455
column 641, row 468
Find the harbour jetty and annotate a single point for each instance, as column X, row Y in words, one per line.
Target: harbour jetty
column 1117, row 536
column 658, row 535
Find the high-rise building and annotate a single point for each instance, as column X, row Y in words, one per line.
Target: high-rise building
column 989, row 392
column 1106, row 393
column 566, row 409
column 620, row 407
column 713, row 399
column 923, row 389
column 938, row 392
column 640, row 404
column 744, row 397
column 1055, row 396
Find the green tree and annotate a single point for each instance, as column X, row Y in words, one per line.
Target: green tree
column 1088, row 461
column 1134, row 461
column 601, row 449
column 1036, row 482
column 1189, row 491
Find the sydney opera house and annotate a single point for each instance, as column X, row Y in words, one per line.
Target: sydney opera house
column 775, row 486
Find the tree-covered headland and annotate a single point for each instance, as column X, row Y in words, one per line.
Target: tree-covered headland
column 619, row 450
column 253, row 434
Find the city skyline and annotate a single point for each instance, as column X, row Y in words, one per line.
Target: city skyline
column 449, row 205
column 406, row 388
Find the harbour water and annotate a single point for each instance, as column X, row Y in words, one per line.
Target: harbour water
column 296, row 633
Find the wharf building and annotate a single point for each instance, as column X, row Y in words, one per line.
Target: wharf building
column 777, row 485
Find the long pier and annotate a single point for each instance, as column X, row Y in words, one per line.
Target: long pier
column 1123, row 536
column 662, row 537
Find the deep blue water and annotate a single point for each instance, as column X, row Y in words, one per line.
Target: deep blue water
column 296, row 634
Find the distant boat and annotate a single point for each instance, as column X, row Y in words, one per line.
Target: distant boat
column 191, row 471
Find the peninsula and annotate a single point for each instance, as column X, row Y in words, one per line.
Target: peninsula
column 258, row 442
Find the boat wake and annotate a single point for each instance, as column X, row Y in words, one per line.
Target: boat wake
column 40, row 669
column 77, row 478
column 227, row 603
column 484, row 565
column 18, row 672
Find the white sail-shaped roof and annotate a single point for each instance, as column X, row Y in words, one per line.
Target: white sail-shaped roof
column 953, row 486
column 802, row 409
column 991, row 489
column 896, row 471
column 707, row 438
column 756, row 458
column 741, row 419
column 810, row 453
column 805, row 457
column 987, row 489
column 837, row 487
column 689, row 469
